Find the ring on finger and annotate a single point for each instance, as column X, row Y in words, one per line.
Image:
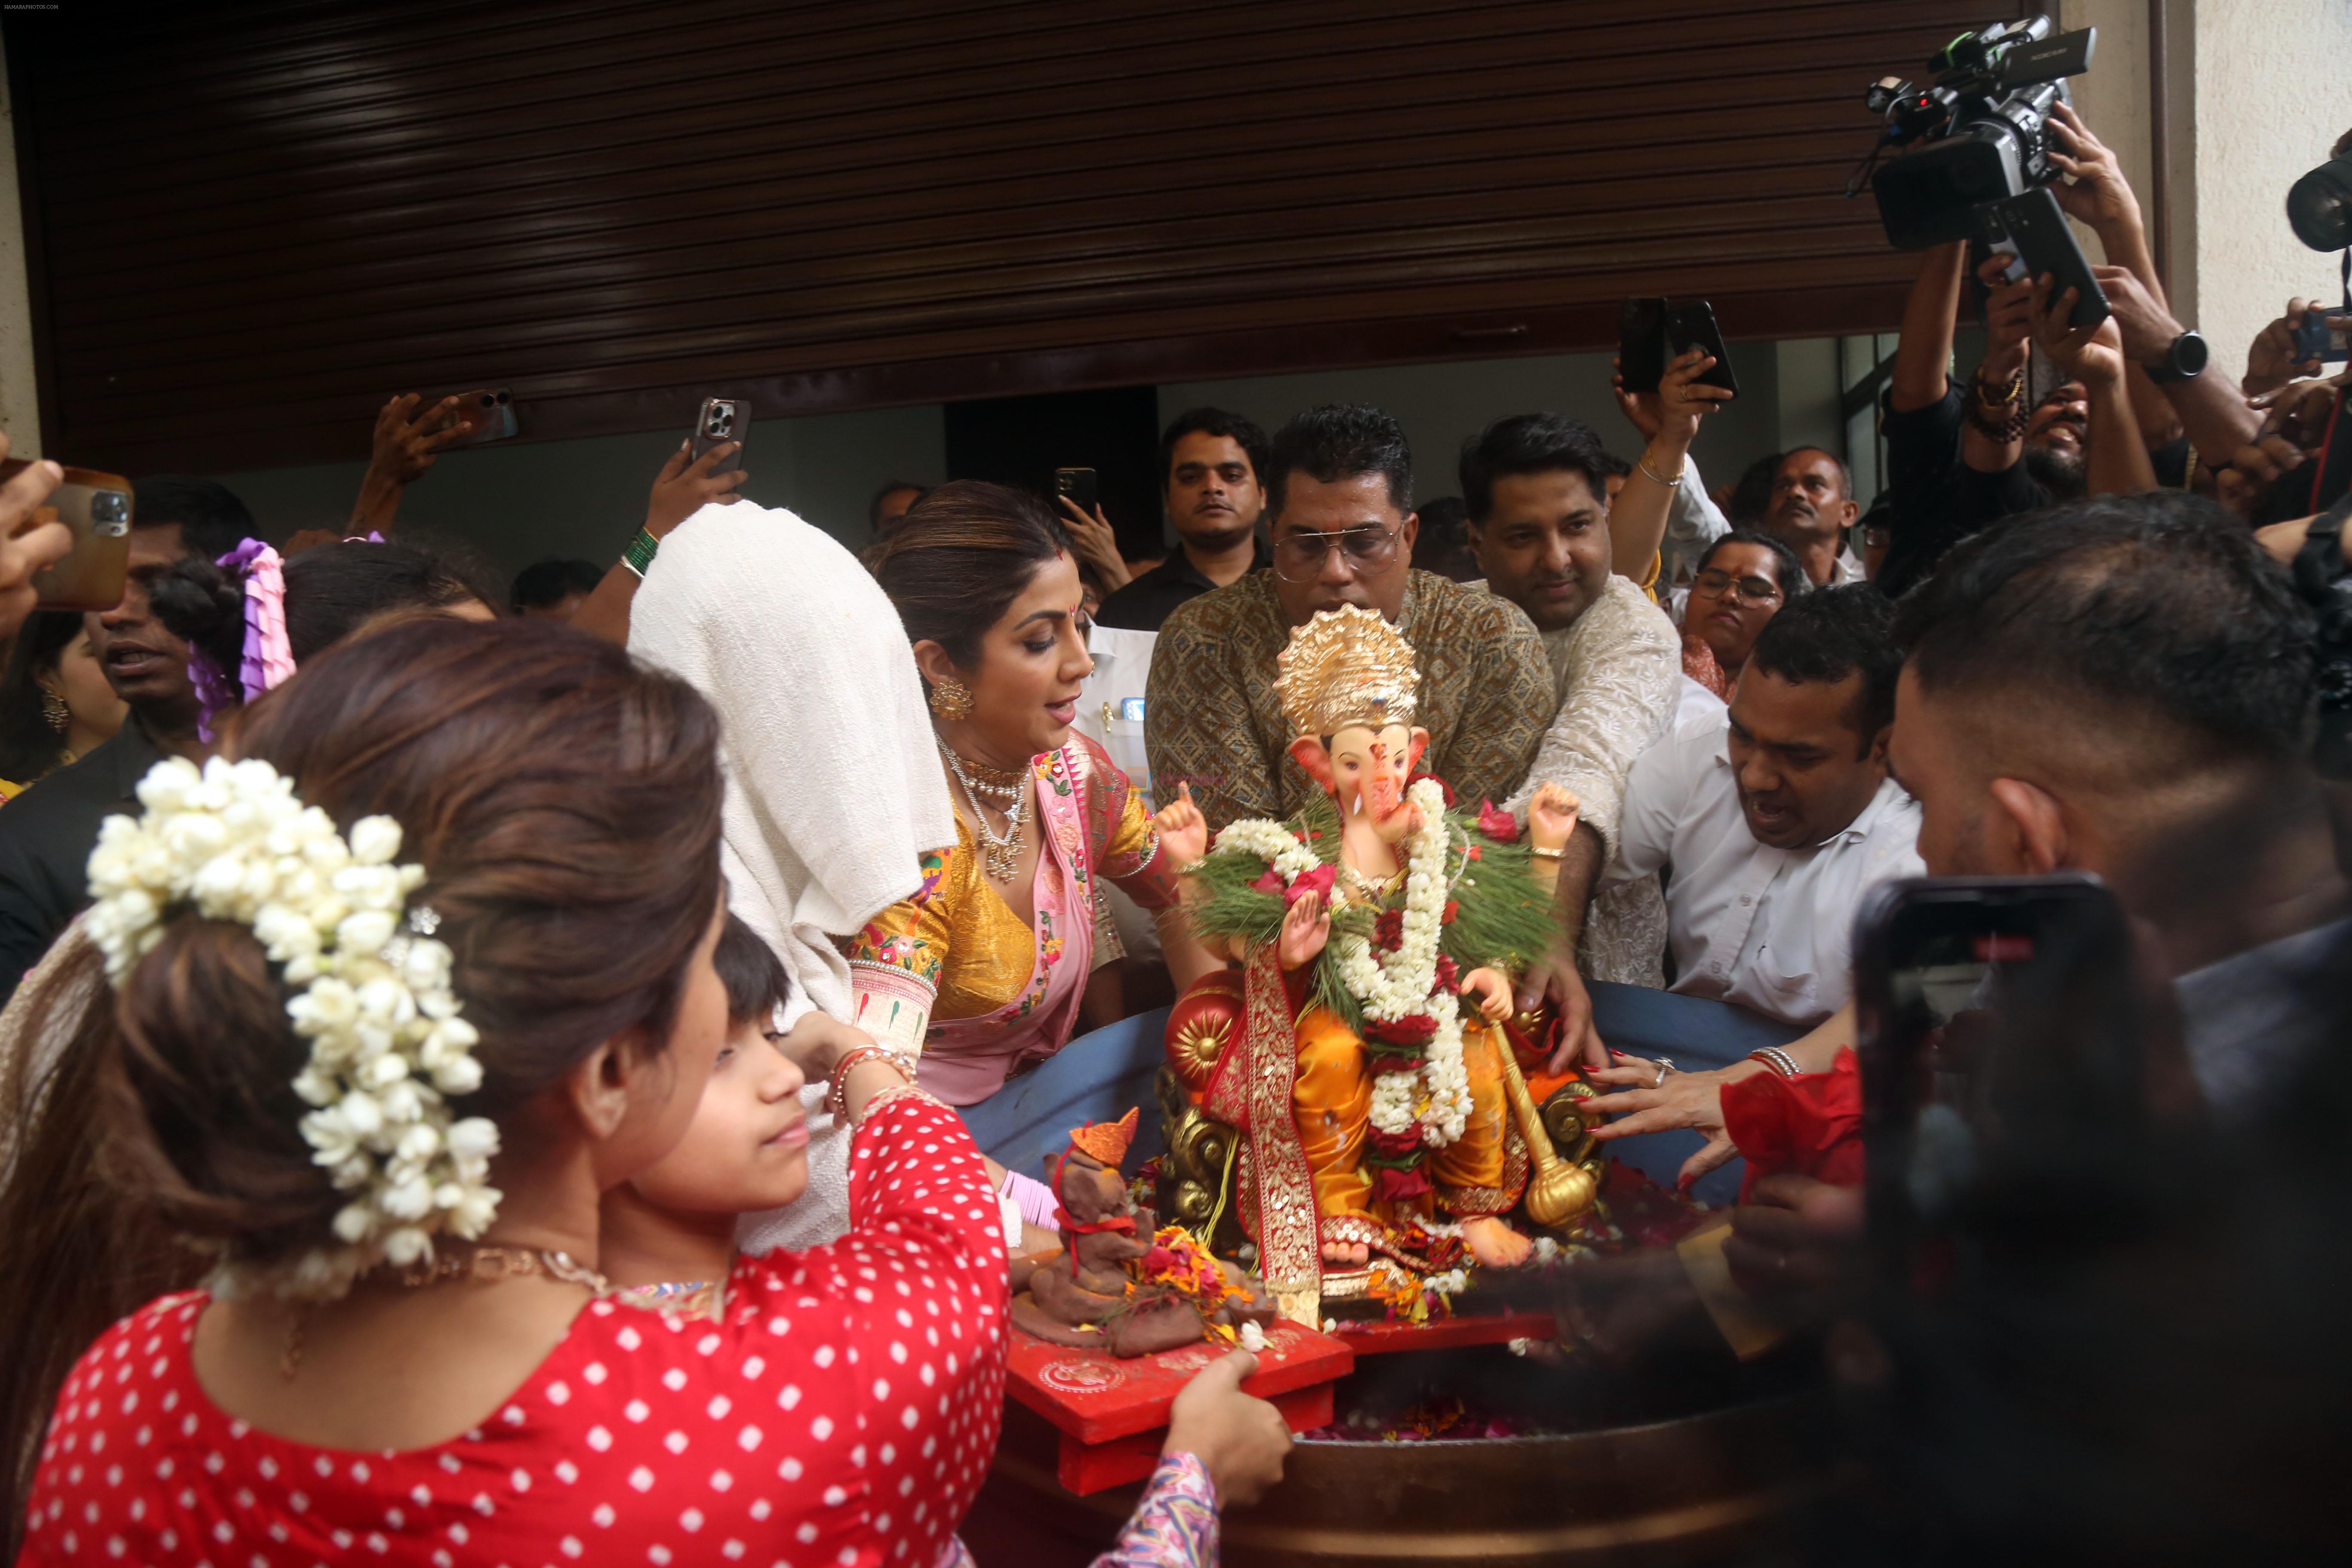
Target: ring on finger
column 1665, row 1066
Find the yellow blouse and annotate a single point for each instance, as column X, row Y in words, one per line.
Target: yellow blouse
column 958, row 939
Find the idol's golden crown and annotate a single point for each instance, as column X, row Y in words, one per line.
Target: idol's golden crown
column 1346, row 666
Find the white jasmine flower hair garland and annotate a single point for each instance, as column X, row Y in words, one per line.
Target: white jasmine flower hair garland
column 387, row 1046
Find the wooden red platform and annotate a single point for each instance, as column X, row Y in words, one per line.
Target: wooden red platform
column 1112, row 1415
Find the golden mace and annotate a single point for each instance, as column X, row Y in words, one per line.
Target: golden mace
column 1558, row 1191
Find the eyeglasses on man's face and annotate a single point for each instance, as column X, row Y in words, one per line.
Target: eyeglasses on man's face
column 1299, row 557
column 1751, row 590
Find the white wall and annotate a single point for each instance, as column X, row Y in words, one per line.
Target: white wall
column 1441, row 404
column 522, row 501
column 2271, row 99
column 19, row 408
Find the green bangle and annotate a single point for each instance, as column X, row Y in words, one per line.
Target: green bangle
column 640, row 553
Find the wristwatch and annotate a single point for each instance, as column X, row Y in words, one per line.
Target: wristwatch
column 2183, row 358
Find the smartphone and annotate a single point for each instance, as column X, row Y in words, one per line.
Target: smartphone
column 1999, row 1035
column 487, row 415
column 1991, row 240
column 2315, row 340
column 1078, row 486
column 2046, row 243
column 721, row 420
column 1690, row 324
column 1641, row 343
column 97, row 508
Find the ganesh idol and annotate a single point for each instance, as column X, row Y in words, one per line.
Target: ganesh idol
column 1380, row 1111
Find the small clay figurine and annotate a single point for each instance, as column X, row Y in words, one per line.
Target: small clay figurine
column 1118, row 1285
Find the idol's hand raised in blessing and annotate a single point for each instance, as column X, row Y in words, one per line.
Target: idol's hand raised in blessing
column 1305, row 930
column 1182, row 829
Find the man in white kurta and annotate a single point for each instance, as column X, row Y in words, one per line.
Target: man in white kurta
column 1536, row 485
column 1777, row 815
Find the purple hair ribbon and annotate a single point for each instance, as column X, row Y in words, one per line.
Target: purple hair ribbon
column 267, row 659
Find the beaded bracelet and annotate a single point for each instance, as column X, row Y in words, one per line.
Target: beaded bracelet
column 836, row 1094
column 1982, row 404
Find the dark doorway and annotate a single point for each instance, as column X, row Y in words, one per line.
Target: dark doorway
column 1021, row 440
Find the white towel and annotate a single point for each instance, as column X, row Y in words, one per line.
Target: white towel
column 833, row 786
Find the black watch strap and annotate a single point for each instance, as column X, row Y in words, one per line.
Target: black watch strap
column 2184, row 357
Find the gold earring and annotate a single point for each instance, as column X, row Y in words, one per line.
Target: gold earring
column 950, row 698
column 54, row 709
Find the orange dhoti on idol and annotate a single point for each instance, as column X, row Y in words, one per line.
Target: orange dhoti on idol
column 1332, row 1102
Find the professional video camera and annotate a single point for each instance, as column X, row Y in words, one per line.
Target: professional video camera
column 1979, row 133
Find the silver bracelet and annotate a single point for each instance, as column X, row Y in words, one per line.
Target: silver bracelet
column 1676, row 483
column 1779, row 1061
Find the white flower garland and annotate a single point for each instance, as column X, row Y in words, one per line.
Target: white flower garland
column 1402, row 984
column 387, row 1046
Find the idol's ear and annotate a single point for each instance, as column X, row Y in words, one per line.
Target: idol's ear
column 1311, row 755
column 1420, row 744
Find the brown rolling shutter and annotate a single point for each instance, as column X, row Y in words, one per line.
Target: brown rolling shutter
column 249, row 224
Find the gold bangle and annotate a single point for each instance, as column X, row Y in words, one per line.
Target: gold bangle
column 1542, row 854
column 1643, row 463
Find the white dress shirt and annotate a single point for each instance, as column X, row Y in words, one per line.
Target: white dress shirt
column 1693, row 522
column 1769, row 929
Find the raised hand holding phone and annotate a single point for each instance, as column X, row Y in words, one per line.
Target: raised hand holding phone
column 410, row 433
column 28, row 542
column 688, row 483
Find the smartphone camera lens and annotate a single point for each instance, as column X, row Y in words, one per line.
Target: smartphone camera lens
column 720, row 425
column 110, row 512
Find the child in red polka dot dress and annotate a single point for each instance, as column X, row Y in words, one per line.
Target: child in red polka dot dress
column 491, row 1402
column 668, row 1237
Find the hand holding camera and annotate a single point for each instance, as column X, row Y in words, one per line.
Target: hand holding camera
column 2095, row 192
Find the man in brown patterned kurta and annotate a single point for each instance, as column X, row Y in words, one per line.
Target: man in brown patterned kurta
column 1338, row 490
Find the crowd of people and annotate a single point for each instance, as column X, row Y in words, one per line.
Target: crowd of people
column 481, row 1065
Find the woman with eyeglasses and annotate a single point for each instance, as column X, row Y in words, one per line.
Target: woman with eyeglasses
column 1742, row 580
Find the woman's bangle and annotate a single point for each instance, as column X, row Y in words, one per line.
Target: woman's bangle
column 836, row 1094
column 1779, row 1061
column 1643, row 463
column 1542, row 854
column 640, row 553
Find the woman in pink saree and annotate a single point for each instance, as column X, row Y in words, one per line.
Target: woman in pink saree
column 984, row 970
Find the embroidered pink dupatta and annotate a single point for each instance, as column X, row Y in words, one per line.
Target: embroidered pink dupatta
column 965, row 1060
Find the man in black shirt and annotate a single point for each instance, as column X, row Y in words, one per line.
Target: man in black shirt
column 1954, row 465
column 47, row 832
column 1209, row 461
column 1960, row 457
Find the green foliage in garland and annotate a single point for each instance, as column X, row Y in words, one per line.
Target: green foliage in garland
column 1504, row 917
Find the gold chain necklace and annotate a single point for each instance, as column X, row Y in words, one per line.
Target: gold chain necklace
column 485, row 1264
column 1002, row 854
